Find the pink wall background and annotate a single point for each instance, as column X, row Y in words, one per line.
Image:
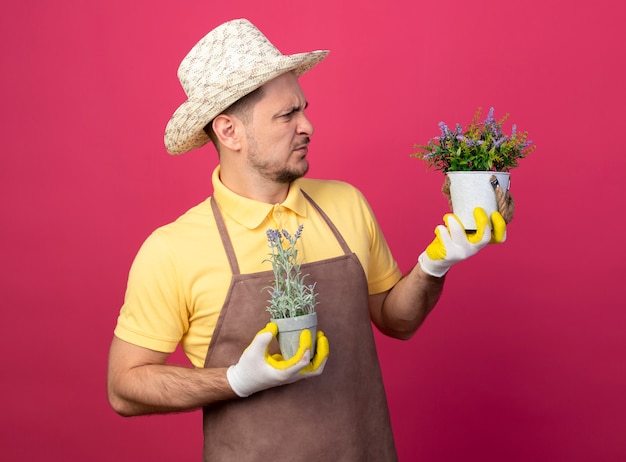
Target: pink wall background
column 523, row 358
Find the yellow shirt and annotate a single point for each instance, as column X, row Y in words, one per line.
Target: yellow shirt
column 180, row 277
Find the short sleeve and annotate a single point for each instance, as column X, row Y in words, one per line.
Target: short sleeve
column 382, row 269
column 154, row 312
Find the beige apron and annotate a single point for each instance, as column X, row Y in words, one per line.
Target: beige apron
column 342, row 414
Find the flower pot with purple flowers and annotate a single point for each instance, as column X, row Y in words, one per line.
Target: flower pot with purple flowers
column 292, row 300
column 476, row 161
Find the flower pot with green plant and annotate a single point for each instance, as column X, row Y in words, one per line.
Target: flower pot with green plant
column 475, row 160
column 292, row 302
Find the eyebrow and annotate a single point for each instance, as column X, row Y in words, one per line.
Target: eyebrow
column 294, row 108
column 299, row 107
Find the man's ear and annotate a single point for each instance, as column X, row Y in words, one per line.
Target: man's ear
column 228, row 131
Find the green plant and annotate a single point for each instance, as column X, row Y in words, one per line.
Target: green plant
column 483, row 146
column 290, row 295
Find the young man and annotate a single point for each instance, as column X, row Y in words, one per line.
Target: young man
column 199, row 281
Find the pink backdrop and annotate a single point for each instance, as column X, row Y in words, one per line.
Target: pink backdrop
column 523, row 358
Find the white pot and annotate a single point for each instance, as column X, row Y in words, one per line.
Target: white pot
column 469, row 190
column 289, row 333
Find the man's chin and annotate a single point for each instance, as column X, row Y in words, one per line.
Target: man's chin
column 291, row 175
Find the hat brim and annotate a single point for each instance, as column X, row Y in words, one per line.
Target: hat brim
column 184, row 131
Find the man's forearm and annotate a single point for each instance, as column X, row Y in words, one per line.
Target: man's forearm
column 140, row 382
column 163, row 388
column 409, row 302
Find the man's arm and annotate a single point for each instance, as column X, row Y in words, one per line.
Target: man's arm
column 400, row 311
column 140, row 382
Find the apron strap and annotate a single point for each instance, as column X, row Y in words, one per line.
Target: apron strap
column 331, row 225
column 228, row 246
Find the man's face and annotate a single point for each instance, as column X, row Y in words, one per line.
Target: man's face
column 277, row 133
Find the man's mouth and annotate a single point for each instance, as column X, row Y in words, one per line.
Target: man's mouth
column 303, row 148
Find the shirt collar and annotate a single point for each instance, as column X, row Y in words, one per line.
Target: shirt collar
column 249, row 212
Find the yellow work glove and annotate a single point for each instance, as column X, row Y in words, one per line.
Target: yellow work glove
column 452, row 244
column 257, row 370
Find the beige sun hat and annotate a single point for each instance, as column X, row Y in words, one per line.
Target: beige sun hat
column 231, row 61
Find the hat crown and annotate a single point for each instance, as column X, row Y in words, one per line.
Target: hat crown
column 227, row 52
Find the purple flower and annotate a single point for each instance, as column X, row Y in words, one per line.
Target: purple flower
column 298, row 232
column 273, row 236
column 445, row 131
column 470, row 142
column 497, row 142
column 490, row 119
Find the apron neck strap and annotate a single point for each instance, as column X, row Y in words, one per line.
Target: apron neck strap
column 228, row 245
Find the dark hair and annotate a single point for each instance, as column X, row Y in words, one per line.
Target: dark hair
column 241, row 108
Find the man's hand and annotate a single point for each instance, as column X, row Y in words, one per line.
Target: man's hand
column 452, row 244
column 257, row 370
